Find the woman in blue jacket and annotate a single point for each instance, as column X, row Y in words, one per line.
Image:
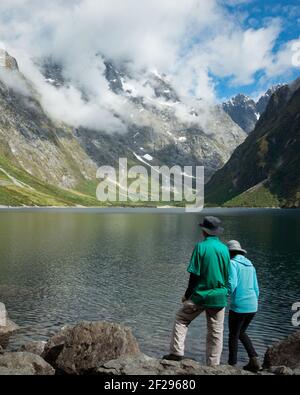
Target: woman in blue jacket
column 244, row 292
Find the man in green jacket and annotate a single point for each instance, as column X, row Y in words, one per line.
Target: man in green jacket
column 207, row 292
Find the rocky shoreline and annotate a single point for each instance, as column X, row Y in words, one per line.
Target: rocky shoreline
column 102, row 348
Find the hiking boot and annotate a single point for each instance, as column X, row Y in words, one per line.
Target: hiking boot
column 253, row 365
column 172, row 357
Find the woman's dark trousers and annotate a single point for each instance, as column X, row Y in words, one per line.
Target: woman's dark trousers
column 238, row 324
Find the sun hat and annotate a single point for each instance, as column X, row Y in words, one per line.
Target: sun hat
column 234, row 245
column 211, row 225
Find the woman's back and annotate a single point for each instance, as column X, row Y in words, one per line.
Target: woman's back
column 243, row 285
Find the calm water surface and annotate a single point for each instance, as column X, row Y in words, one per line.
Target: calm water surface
column 60, row 267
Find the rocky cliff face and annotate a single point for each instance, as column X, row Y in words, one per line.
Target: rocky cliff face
column 242, row 109
column 157, row 132
column 264, row 170
column 263, row 101
column 7, row 61
column 161, row 130
column 38, row 156
column 36, row 152
column 245, row 111
column 32, row 141
column 156, row 129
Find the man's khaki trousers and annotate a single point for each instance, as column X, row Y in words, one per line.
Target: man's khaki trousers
column 215, row 329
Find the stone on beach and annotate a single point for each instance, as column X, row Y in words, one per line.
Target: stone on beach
column 284, row 353
column 99, row 348
column 23, row 363
column 35, row 347
column 143, row 365
column 82, row 348
column 282, row 371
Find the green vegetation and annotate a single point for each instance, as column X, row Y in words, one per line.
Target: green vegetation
column 256, row 197
column 19, row 188
column 264, row 171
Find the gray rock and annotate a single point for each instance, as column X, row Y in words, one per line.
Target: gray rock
column 82, row 348
column 54, row 346
column 16, row 363
column 281, row 371
column 7, row 61
column 7, row 327
column 265, row 373
column 245, row 112
column 26, row 371
column 144, row 365
column 242, row 109
column 37, row 347
column 284, row 353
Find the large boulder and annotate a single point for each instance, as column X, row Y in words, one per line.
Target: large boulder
column 143, row 365
column 23, row 363
column 81, row 349
column 55, row 345
column 35, row 347
column 284, row 353
column 7, row 327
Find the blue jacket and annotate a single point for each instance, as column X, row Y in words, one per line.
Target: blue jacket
column 243, row 286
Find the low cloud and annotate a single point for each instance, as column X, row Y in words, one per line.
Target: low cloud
column 15, row 81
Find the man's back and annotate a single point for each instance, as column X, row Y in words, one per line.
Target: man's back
column 210, row 262
column 207, row 292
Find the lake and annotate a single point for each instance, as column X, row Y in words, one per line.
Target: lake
column 59, row 267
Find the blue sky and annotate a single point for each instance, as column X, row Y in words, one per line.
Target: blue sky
column 257, row 14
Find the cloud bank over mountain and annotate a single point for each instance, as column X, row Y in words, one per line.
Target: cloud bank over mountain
column 194, row 42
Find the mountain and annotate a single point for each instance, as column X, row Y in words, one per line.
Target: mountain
column 264, row 170
column 41, row 162
column 163, row 128
column 160, row 127
column 46, row 162
column 52, row 71
column 263, row 101
column 245, row 111
column 19, row 188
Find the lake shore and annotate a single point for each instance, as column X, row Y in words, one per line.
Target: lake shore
column 68, row 261
column 168, row 209
column 107, row 348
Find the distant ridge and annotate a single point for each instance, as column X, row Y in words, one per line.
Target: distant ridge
column 245, row 111
column 264, row 171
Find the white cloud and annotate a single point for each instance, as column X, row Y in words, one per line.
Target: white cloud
column 14, row 80
column 241, row 54
column 285, row 57
column 188, row 40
